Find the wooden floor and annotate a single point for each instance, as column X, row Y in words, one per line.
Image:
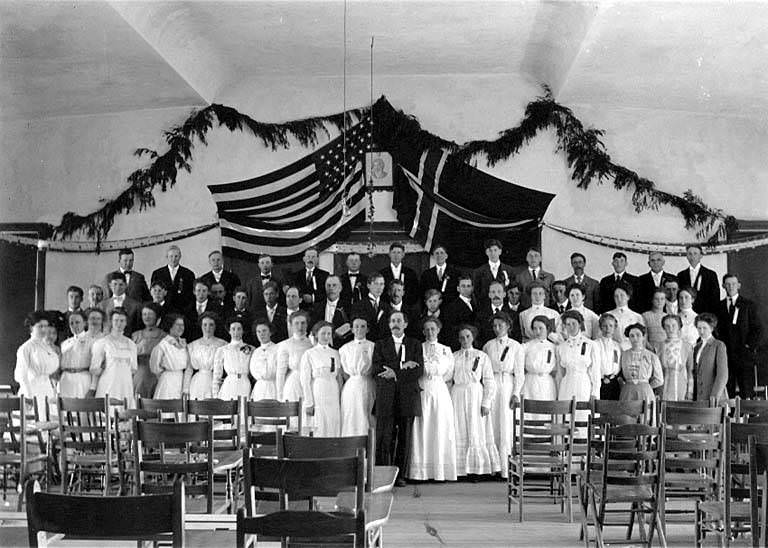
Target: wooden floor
column 471, row 515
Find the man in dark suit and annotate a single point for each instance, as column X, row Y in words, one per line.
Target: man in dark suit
column 74, row 304
column 609, row 283
column 275, row 312
column 159, row 293
column 702, row 279
column 237, row 308
column 398, row 363
column 494, row 269
column 533, row 273
column 120, row 299
column 651, row 281
column 373, row 308
column 462, row 310
column 217, row 275
column 395, row 301
column 739, row 328
column 196, row 309
column 136, row 285
column 591, row 286
column 443, row 276
column 311, row 280
column 331, row 310
column 178, row 279
column 255, row 287
column 559, row 297
column 353, row 282
column 486, row 313
column 398, row 271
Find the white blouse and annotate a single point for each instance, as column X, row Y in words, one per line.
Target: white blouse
column 356, row 357
column 263, row 363
column 169, row 355
column 474, row 366
column 507, row 358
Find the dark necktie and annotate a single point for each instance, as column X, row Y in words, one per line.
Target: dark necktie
column 730, row 307
column 309, row 278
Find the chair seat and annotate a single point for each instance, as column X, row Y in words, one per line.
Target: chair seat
column 226, row 460
column 682, row 479
column 715, row 510
column 15, row 458
column 384, row 478
column 624, row 493
column 377, row 507
column 89, row 459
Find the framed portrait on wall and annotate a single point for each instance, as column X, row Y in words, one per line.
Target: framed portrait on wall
column 378, row 170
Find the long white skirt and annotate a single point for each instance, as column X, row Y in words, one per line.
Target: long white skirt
column 74, row 385
column 539, row 387
column 169, row 385
column 201, row 385
column 502, row 419
column 117, row 382
column 473, row 453
column 433, row 452
column 356, row 405
column 327, row 417
column 292, row 387
column 233, row 387
column 264, row 389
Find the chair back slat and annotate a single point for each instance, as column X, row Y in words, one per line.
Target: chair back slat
column 301, row 478
column 104, row 518
column 264, row 416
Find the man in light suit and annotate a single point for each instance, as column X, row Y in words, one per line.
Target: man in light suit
column 178, row 279
column 739, row 328
column 353, row 282
column 398, row 271
column 609, row 283
column 591, row 286
column 332, row 310
column 217, row 275
column 120, row 299
column 651, row 282
column 702, row 279
column 533, row 273
column 255, row 287
column 398, row 364
column 136, row 285
column 443, row 276
column 493, row 270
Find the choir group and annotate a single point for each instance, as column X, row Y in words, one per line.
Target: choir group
column 432, row 361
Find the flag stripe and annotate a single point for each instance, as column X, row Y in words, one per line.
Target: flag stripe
column 285, row 207
column 252, row 199
column 435, row 191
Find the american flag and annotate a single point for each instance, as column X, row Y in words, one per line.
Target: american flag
column 303, row 204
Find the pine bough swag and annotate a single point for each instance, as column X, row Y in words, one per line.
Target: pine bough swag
column 584, row 151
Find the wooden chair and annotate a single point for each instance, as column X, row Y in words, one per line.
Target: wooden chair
column 171, row 409
column 541, row 449
column 731, row 514
column 758, row 490
column 263, row 417
column 124, row 443
column 227, row 452
column 22, row 448
column 747, row 410
column 179, row 450
column 86, row 439
column 378, row 478
column 154, row 518
column 632, row 473
column 307, row 478
column 694, row 447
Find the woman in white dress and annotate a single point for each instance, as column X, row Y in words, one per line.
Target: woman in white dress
column 676, row 357
column 685, row 298
column 198, row 378
column 359, row 388
column 263, row 364
column 36, row 361
column 289, row 354
column 472, row 392
column 591, row 320
column 230, row 365
column 578, row 369
column 114, row 360
column 652, row 319
column 433, row 450
column 321, row 383
column 540, row 363
column 169, row 360
column 144, row 380
column 507, row 361
column 76, row 359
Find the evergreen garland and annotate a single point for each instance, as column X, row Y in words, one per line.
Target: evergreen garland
column 395, row 130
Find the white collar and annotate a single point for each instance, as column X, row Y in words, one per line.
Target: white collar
column 494, row 266
column 120, row 298
column 694, row 268
column 398, row 306
column 466, row 300
column 395, row 269
column 399, row 340
column 198, row 304
column 329, row 302
column 734, row 298
column 270, row 307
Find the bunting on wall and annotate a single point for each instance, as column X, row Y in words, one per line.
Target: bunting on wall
column 397, row 132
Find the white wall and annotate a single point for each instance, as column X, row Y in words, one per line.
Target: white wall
column 52, row 166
